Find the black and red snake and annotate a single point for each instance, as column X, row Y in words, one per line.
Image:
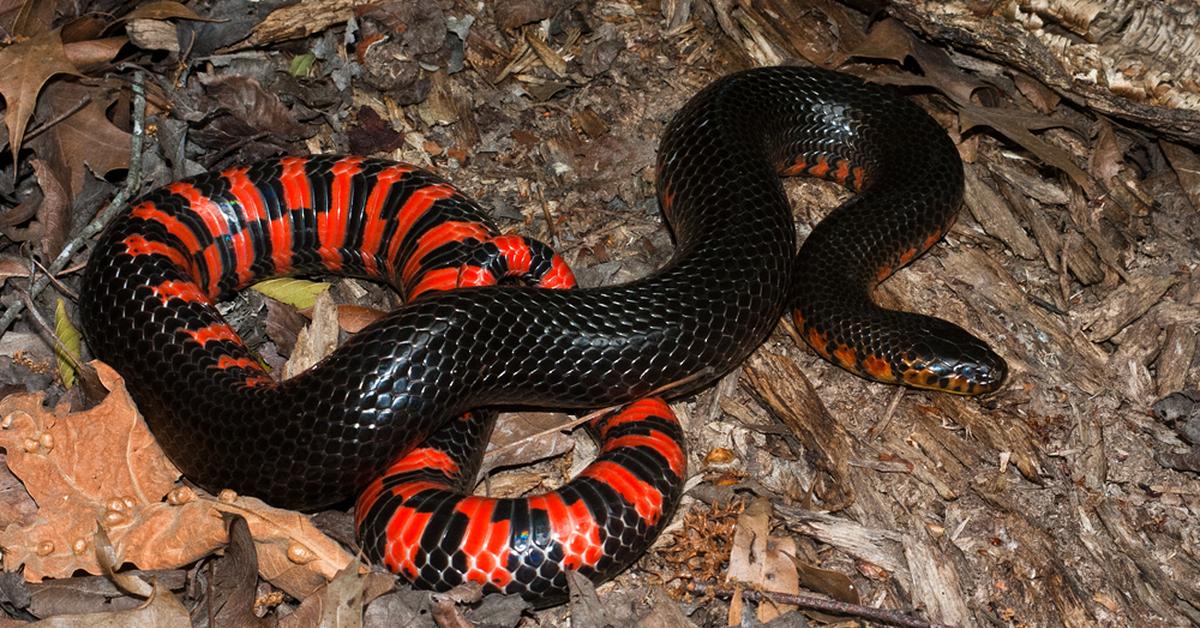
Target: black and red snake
column 148, row 308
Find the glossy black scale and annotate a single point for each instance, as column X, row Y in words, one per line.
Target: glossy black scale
column 319, row 437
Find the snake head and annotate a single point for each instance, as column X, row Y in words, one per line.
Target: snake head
column 952, row 360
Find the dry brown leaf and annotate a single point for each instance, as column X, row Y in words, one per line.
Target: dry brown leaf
column 353, row 318
column 31, row 16
column 85, row 139
column 161, row 609
column 96, row 465
column 12, row 266
column 522, row 438
column 339, row 603
column 233, row 584
column 1186, row 165
column 317, row 340
column 91, row 53
column 53, row 213
column 253, row 107
column 1018, row 126
column 24, row 68
column 762, row 560
column 890, row 39
column 153, row 35
column 165, row 10
column 102, row 465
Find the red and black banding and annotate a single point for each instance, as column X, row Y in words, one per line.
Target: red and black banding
column 215, row 234
column 147, row 296
column 419, row 521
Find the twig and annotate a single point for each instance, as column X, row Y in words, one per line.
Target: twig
column 702, row 373
column 825, row 605
column 42, row 128
column 133, row 181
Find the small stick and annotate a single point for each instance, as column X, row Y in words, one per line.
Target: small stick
column 825, row 605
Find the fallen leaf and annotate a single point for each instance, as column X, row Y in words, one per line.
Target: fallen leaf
column 24, row 68
column 1186, row 165
column 253, row 108
column 165, row 10
column 762, row 560
column 53, row 212
column 298, row 293
column 91, row 53
column 153, row 35
column 161, row 609
column 835, row 584
column 522, row 438
column 339, row 603
column 70, row 344
column 85, row 139
column 317, row 340
column 353, row 318
column 891, row 39
column 102, row 465
column 234, row 579
column 12, row 266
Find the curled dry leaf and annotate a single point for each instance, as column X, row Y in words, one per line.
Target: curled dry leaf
column 24, row 68
column 161, row 609
column 85, row 139
column 103, row 465
column 762, row 560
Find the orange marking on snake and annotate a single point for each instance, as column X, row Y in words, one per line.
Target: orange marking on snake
column 661, row 443
column 297, row 189
column 818, row 342
column 796, row 167
column 212, row 260
column 424, row 458
column 516, row 253
column 843, row 171
column 644, row 498
column 485, row 542
column 859, row 173
column 449, row 231
column 248, row 196
column 419, row 202
column 136, row 245
column 215, row 332
column 214, row 219
column 559, row 277
column 878, row 368
column 182, row 290
column 821, row 168
column 375, row 224
column 230, row 362
column 931, row 240
column 250, row 201
column 174, row 226
column 332, row 223
column 846, row 356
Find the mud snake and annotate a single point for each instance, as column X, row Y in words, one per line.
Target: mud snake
column 148, row 295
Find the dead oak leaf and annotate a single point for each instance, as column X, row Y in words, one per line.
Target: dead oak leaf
column 24, row 68
column 103, row 465
column 85, row 139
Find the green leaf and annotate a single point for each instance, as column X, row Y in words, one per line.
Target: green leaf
column 298, row 293
column 69, row 344
column 302, row 65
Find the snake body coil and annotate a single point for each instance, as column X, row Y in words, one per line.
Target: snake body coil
column 147, row 302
